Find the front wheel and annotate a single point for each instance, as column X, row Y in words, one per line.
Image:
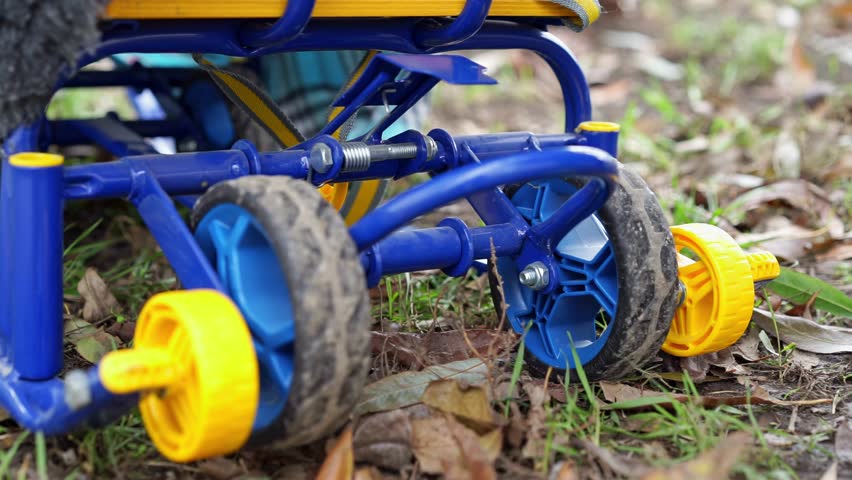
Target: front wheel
column 618, row 282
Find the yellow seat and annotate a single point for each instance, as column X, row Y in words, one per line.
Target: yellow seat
column 175, row 9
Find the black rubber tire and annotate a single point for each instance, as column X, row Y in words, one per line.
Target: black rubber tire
column 328, row 295
column 40, row 38
column 647, row 280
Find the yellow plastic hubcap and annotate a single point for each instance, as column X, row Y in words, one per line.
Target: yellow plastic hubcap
column 194, row 363
column 719, row 289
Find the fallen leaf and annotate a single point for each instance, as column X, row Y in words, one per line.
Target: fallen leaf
column 339, row 464
column 714, row 464
column 766, row 342
column 696, row 367
column 747, row 346
column 725, row 359
column 626, row 397
column 831, row 473
column 804, row 360
column 786, row 240
column 843, row 446
column 566, row 470
column 800, row 288
column 798, row 194
column 838, row 252
column 76, row 328
column 94, row 346
column 805, row 334
column 99, row 302
column 368, row 473
column 406, row 388
column 436, row 348
column 536, row 427
column 220, row 468
column 384, row 440
column 469, row 404
column 617, row 465
column 443, row 445
column 123, row 330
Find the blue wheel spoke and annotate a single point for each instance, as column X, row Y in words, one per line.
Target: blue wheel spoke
column 588, row 286
column 250, row 271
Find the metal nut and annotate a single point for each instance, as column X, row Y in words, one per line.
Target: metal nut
column 321, row 159
column 535, row 276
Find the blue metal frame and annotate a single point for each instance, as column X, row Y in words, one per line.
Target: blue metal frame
column 471, row 167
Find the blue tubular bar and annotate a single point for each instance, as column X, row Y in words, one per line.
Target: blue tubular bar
column 42, row 406
column 179, row 174
column 464, row 26
column 397, row 35
column 591, row 196
column 466, row 180
column 292, row 22
column 172, row 234
column 35, row 243
column 61, row 132
column 440, row 247
column 132, row 77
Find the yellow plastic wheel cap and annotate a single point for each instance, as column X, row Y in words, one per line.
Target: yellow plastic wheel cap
column 719, row 291
column 194, row 363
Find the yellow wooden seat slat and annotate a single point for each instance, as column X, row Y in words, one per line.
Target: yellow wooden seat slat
column 177, row 9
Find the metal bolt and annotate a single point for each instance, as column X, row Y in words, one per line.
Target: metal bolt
column 321, row 159
column 535, row 276
column 357, row 156
column 78, row 392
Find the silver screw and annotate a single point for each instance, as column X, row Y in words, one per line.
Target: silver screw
column 78, row 392
column 535, row 276
column 358, row 156
column 321, row 159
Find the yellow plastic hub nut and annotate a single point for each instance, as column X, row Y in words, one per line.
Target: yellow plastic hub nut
column 719, row 286
column 194, row 363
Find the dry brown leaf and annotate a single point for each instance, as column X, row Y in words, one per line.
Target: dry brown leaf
column 536, row 427
column 384, row 440
column 838, row 252
column 806, row 334
column 714, row 464
column 220, row 468
column 747, row 346
column 94, row 346
column 469, row 404
column 436, row 348
column 843, row 446
column 368, row 473
column 339, row 464
column 786, row 240
column 626, row 397
column 797, row 194
column 442, row 445
column 566, row 470
column 99, row 302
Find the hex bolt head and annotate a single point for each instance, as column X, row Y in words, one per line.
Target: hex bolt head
column 321, row 159
column 535, row 276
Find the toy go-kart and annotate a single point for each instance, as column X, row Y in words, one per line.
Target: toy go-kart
column 270, row 337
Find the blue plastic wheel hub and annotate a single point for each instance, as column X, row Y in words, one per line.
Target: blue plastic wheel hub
column 582, row 308
column 237, row 246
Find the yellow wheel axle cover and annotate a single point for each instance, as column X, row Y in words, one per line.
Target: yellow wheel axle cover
column 719, row 284
column 194, row 363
